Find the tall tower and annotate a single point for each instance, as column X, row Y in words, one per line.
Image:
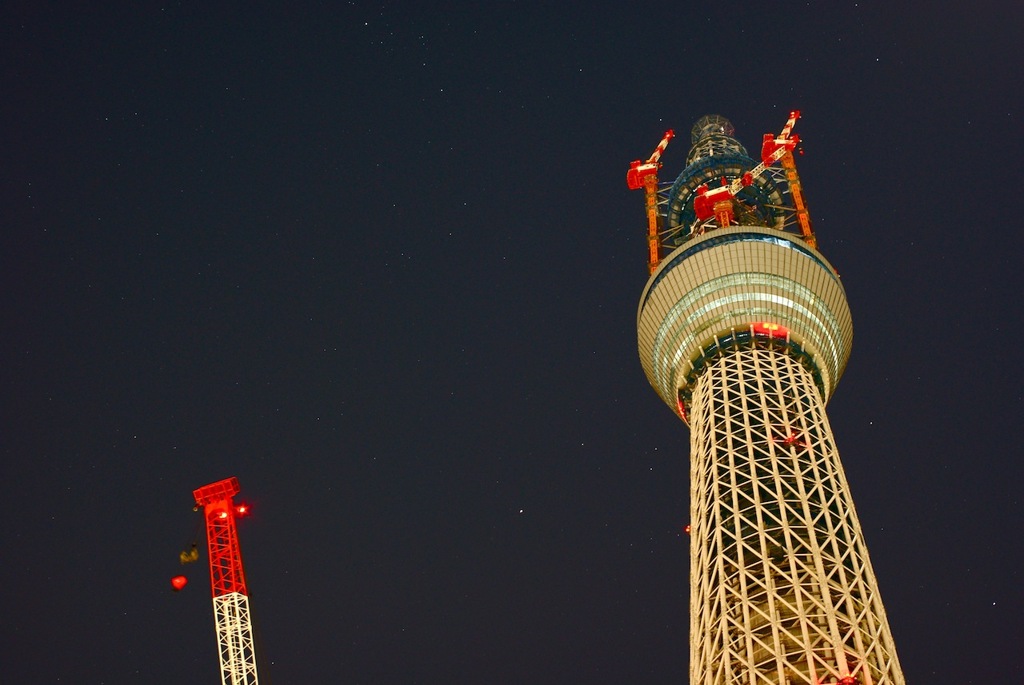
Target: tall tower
column 744, row 331
column 230, row 597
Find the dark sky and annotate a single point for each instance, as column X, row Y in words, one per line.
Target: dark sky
column 381, row 264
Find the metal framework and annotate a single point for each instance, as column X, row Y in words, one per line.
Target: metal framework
column 760, row 194
column 234, row 639
column 781, row 588
column 230, row 597
column 744, row 330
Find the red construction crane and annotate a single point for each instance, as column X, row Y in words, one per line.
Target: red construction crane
column 802, row 215
column 719, row 202
column 645, row 175
column 230, row 598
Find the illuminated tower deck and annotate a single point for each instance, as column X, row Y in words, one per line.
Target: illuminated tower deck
column 744, row 331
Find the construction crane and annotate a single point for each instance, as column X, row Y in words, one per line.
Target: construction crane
column 718, row 203
column 230, row 597
column 645, row 175
column 789, row 166
column 718, row 206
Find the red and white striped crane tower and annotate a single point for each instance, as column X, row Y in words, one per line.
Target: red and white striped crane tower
column 645, row 175
column 719, row 202
column 230, row 597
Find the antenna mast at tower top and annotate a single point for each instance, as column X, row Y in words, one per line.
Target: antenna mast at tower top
column 230, row 597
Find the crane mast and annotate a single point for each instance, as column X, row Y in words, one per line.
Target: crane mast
column 230, row 597
column 645, row 175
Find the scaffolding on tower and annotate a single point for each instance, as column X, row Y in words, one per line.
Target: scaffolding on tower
column 749, row 193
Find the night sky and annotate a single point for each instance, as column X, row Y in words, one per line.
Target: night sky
column 381, row 264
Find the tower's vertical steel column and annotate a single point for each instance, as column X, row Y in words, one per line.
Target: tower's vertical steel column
column 744, row 332
column 235, row 644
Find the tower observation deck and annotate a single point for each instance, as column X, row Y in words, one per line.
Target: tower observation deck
column 744, row 331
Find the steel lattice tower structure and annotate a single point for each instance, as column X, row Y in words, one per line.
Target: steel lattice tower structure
column 230, row 597
column 744, row 331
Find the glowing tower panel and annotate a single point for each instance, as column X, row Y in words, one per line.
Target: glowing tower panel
column 744, row 331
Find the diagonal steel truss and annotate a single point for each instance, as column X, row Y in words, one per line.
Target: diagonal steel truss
column 234, row 639
column 227, row 578
column 782, row 590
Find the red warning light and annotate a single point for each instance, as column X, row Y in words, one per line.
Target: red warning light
column 848, row 680
column 242, row 510
column 178, row 582
column 682, row 409
column 772, row 330
column 686, row 529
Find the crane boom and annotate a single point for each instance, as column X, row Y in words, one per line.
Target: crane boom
column 645, row 175
column 782, row 148
column 718, row 202
column 230, row 597
column 796, row 190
